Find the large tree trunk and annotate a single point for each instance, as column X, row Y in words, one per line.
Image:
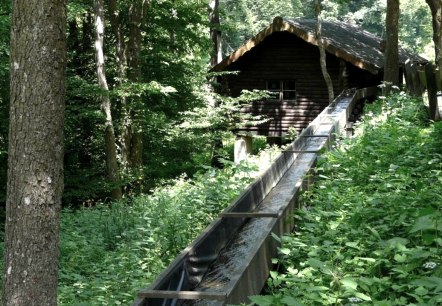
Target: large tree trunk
column 322, row 54
column 35, row 160
column 436, row 14
column 391, row 55
column 112, row 170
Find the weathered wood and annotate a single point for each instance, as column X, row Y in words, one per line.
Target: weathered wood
column 417, row 84
column 408, row 79
column 432, row 91
column 298, row 61
column 422, row 77
column 182, row 295
column 249, row 215
column 300, row 151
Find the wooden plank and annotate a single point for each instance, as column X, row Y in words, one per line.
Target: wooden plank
column 300, row 151
column 182, row 295
column 417, row 85
column 422, row 77
column 249, row 215
column 432, row 91
column 408, row 77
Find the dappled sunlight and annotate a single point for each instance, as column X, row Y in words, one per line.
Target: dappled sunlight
column 369, row 231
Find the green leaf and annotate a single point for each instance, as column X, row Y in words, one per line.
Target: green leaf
column 353, row 245
column 285, row 251
column 366, row 259
column 315, row 263
column 421, row 291
column 276, row 237
column 262, row 300
column 400, row 258
column 374, row 232
column 317, row 288
column 363, row 296
column 349, row 283
column 422, row 224
column 291, row 301
column 398, row 243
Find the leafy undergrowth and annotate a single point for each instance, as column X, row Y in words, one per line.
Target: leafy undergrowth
column 369, row 232
column 109, row 252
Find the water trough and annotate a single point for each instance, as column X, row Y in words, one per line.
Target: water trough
column 231, row 259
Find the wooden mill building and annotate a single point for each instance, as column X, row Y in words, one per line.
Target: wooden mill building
column 284, row 59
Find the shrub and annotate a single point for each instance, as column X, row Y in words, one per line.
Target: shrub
column 369, row 232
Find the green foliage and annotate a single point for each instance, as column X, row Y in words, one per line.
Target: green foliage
column 369, row 232
column 108, row 252
column 244, row 19
column 173, row 63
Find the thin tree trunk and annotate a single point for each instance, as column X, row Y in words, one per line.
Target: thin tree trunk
column 215, row 33
column 112, row 170
column 35, row 160
column 86, row 42
column 215, row 58
column 322, row 54
column 391, row 56
column 121, row 61
column 136, row 13
column 129, row 69
column 436, row 14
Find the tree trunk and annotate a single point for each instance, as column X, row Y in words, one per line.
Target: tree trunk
column 35, row 163
column 112, row 170
column 135, row 144
column 129, row 69
column 322, row 54
column 391, row 55
column 215, row 33
column 436, row 15
column 86, row 42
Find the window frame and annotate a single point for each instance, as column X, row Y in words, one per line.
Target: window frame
column 282, row 87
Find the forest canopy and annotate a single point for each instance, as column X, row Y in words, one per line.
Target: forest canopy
column 161, row 81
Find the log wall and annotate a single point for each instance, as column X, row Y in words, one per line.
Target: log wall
column 284, row 56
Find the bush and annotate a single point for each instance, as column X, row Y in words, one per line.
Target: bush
column 370, row 229
column 110, row 251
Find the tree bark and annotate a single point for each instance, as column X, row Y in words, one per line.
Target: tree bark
column 135, row 143
column 129, row 69
column 112, row 170
column 35, row 163
column 322, row 54
column 215, row 33
column 436, row 15
column 391, row 55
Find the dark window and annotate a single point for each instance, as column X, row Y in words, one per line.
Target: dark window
column 282, row 90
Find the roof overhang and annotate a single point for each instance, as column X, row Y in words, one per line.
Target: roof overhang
column 331, row 42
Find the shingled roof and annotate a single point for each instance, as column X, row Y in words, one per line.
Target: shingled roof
column 346, row 41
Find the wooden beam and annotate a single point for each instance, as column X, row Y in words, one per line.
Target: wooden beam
column 301, row 151
column 182, row 295
column 249, row 215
